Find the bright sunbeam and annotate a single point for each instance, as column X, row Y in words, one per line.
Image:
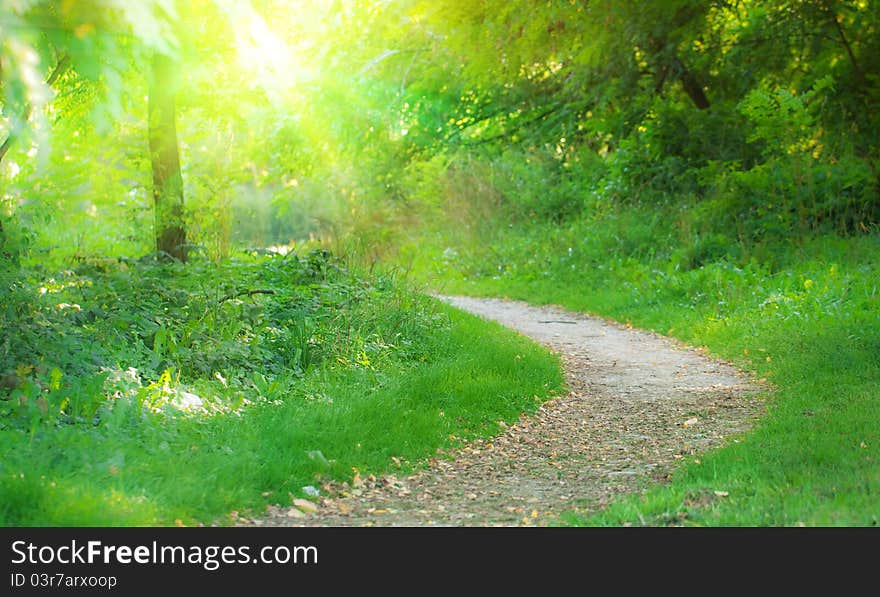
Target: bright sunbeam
column 260, row 50
column 277, row 65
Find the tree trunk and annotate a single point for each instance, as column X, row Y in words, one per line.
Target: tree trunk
column 670, row 67
column 165, row 160
column 691, row 85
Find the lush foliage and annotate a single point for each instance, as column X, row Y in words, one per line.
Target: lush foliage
column 329, row 119
column 248, row 380
column 710, row 167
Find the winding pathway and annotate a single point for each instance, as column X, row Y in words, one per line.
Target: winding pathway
column 638, row 403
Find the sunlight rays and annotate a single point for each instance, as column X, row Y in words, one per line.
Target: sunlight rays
column 277, row 65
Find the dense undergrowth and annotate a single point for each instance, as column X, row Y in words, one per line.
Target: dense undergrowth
column 139, row 392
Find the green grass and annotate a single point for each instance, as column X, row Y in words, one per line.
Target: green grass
column 803, row 315
column 392, row 375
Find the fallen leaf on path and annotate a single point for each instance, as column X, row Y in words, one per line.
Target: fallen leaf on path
column 305, row 505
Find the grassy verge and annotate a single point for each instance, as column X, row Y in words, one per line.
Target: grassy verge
column 805, row 316
column 145, row 394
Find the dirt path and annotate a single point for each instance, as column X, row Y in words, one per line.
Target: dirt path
column 638, row 403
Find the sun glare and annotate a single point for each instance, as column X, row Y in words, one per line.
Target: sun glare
column 278, row 65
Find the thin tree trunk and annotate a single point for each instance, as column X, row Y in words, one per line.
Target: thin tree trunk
column 691, row 86
column 165, row 160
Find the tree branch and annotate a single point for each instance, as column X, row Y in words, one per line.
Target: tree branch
column 59, row 69
column 519, row 125
column 62, row 65
column 860, row 75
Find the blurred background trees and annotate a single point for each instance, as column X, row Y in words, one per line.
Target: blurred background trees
column 353, row 121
